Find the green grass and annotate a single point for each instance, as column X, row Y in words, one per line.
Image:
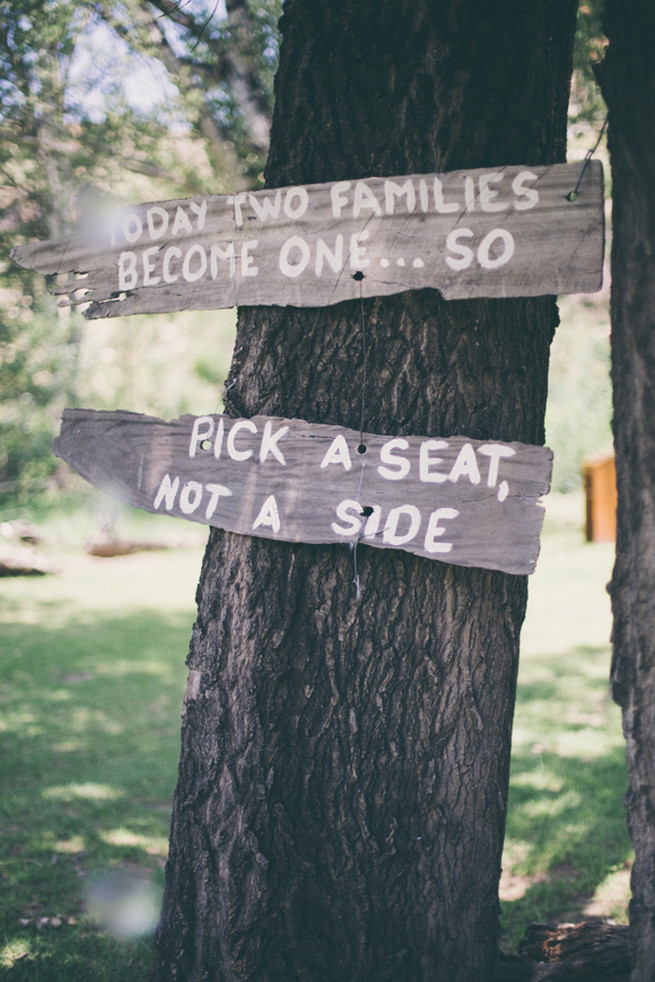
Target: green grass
column 567, row 852
column 579, row 407
column 91, row 687
column 91, row 684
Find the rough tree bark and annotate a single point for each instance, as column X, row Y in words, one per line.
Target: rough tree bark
column 342, row 790
column 628, row 81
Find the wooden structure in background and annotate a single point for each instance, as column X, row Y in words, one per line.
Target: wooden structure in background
column 599, row 476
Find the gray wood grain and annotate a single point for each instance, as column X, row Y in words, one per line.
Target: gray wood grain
column 468, row 502
column 498, row 232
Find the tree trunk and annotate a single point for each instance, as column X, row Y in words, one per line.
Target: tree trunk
column 342, row 790
column 628, row 81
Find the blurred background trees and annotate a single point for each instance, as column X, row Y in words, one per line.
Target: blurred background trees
column 102, row 102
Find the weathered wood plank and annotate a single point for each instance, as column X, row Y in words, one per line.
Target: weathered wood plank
column 468, row 502
column 498, row 232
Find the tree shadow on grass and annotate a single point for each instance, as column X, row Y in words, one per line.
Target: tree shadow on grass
column 566, row 828
column 89, row 744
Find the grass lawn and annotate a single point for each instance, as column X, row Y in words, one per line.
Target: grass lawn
column 567, row 852
column 91, row 683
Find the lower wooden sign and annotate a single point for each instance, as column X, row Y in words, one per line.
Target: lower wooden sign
column 467, row 502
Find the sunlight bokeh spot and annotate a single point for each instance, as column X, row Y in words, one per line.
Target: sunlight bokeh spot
column 123, row 903
column 88, row 791
column 154, row 845
column 13, row 952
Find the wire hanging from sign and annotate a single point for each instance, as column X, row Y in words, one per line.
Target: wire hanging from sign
column 361, row 449
column 573, row 195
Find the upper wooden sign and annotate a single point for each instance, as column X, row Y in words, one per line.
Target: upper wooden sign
column 468, row 502
column 498, row 232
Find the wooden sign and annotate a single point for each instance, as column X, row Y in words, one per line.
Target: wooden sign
column 468, row 502
column 497, row 232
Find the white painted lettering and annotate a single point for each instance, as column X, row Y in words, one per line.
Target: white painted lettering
column 218, row 440
column 269, row 515
column 203, row 427
column 530, row 196
column 426, row 462
column 216, row 492
column 365, row 199
column 339, row 197
column 238, row 200
column 423, row 194
column 132, row 228
column 288, row 268
column 266, row 208
column 465, row 466
column 169, row 255
column 348, row 511
column 489, row 194
column 248, row 267
column 301, row 197
column 454, row 245
column 396, row 467
column 127, row 275
column 200, row 210
column 391, row 535
column 435, row 530
column 441, row 206
column 193, row 275
column 393, row 191
column 372, row 526
column 269, row 443
column 157, row 219
column 495, row 452
column 469, row 193
column 218, row 254
column 167, row 492
column 181, row 223
column 333, row 259
column 485, row 257
column 190, row 497
column 338, row 453
column 149, row 266
column 241, row 424
column 503, row 490
column 358, row 251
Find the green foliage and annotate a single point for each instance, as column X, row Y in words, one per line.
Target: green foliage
column 579, row 408
column 164, row 365
column 587, row 103
column 567, row 850
column 37, row 364
column 91, row 687
column 75, row 138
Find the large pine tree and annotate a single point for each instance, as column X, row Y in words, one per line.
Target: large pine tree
column 342, row 790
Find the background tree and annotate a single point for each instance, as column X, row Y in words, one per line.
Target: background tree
column 37, row 348
column 628, row 82
column 342, row 787
column 73, row 137
column 586, row 103
column 222, row 67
